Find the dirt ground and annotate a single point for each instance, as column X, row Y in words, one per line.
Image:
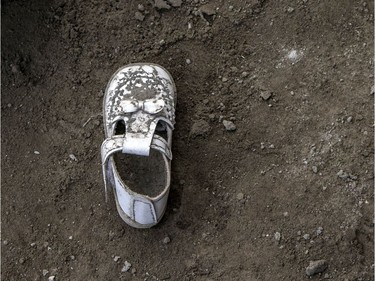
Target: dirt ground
column 292, row 184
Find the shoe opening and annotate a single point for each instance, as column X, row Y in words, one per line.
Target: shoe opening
column 120, row 128
column 143, row 175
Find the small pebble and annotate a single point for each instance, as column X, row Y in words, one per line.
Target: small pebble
column 345, row 176
column 139, row 16
column 51, row 278
column 45, row 272
column 316, row 267
column 244, row 74
column 73, row 157
column 229, row 125
column 315, row 169
column 199, row 128
column 290, row 10
column 111, row 235
column 286, row 214
column 175, row 3
column 188, row 61
column 161, row 4
column 5, row 242
column 319, row 231
column 265, row 95
column 166, row 240
column 53, row 271
column 224, row 79
column 133, row 271
column 21, row 260
column 299, row 233
column 15, row 68
column 9, row 105
column 36, row 152
column 230, row 8
column 277, row 236
column 70, row 237
column 141, row 8
column 208, row 9
column 240, row 196
column 306, row 236
column 342, row 175
column 349, row 119
column 116, row 258
column 126, row 267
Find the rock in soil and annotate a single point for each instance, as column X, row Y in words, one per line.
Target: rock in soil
column 139, row 16
column 240, row 196
column 73, row 157
column 319, row 231
column 161, row 4
column 316, row 267
column 342, row 175
column 315, row 169
column 277, row 236
column 175, row 3
column 141, row 8
column 345, row 176
column 199, row 128
column 126, row 267
column 265, row 95
column 208, row 9
column 306, row 236
column 166, row 240
column 229, row 125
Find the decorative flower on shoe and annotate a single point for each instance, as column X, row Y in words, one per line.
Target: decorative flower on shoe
column 150, row 106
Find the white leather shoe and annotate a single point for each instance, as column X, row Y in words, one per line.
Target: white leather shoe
column 139, row 115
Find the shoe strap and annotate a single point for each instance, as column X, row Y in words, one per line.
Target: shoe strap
column 117, row 143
